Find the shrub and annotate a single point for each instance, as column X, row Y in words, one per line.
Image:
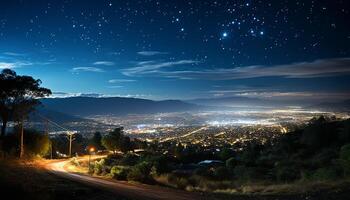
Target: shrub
column 244, row 173
column 226, row 153
column 74, row 161
column 140, row 172
column 287, row 173
column 221, row 173
column 322, row 174
column 344, row 156
column 231, row 163
column 129, row 159
column 99, row 166
column 160, row 165
column 119, row 172
column 202, row 171
column 173, row 180
column 180, row 182
column 324, row 157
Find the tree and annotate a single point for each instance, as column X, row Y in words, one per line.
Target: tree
column 7, row 79
column 96, row 140
column 18, row 97
column 226, row 153
column 111, row 141
column 115, row 140
column 36, row 143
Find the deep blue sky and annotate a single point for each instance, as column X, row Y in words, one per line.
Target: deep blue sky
column 180, row 49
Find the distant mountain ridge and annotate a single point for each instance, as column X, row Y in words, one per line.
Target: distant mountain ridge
column 87, row 106
column 333, row 106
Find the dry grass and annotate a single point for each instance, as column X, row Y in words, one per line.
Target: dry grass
column 197, row 183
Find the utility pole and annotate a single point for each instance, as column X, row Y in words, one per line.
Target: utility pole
column 91, row 150
column 21, row 154
column 70, row 137
column 51, row 151
column 47, row 132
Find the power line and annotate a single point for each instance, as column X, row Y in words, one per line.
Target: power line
column 69, row 133
column 52, row 122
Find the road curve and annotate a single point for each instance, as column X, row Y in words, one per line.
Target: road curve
column 128, row 190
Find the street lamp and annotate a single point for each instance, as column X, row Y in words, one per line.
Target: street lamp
column 91, row 150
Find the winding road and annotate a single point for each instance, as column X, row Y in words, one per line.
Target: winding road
column 126, row 189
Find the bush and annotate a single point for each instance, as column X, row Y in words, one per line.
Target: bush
column 231, row 163
column 160, row 165
column 202, row 171
column 173, row 180
column 226, row 153
column 344, row 156
column 287, row 173
column 325, row 157
column 99, row 167
column 221, row 173
column 74, row 161
column 323, row 174
column 244, row 173
column 119, row 172
column 129, row 159
column 140, row 172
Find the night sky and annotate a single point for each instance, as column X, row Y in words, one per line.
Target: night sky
column 181, row 49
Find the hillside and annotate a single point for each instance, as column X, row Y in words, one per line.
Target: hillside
column 85, row 106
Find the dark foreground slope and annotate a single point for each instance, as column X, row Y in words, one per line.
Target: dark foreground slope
column 27, row 180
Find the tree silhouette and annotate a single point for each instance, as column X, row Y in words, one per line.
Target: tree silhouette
column 96, row 140
column 18, row 97
column 115, row 141
column 7, row 79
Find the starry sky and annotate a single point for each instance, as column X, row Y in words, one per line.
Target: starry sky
column 158, row 49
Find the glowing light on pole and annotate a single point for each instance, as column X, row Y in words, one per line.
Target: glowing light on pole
column 91, row 150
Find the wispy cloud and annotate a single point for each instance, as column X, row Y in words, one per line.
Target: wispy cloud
column 86, row 69
column 11, row 65
column 280, row 94
column 303, row 95
column 153, row 67
column 151, row 53
column 115, row 86
column 13, row 54
column 120, row 80
column 114, row 53
column 96, row 95
column 318, row 68
column 4, row 65
column 106, row 63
